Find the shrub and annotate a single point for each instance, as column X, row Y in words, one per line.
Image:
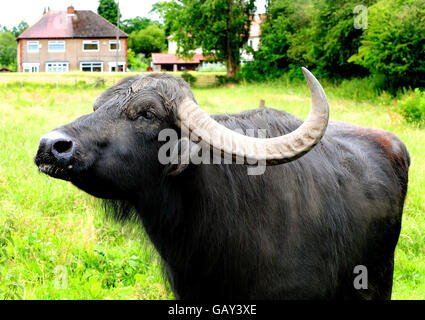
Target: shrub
column 393, row 43
column 223, row 80
column 412, row 107
column 189, row 78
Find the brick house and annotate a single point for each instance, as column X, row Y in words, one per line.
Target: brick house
column 72, row 40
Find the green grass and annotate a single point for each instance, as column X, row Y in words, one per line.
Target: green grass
column 55, row 242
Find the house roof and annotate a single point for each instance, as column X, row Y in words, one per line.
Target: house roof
column 82, row 24
column 169, row 58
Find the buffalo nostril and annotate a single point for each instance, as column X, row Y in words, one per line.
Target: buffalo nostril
column 62, row 146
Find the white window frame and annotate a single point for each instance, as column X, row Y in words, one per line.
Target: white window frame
column 113, row 64
column 91, row 65
column 53, row 42
column 64, row 66
column 91, row 42
column 31, row 67
column 114, row 42
column 29, row 43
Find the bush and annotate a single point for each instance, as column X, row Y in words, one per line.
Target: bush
column 8, row 50
column 412, row 108
column 394, row 42
column 318, row 34
column 190, row 79
column 223, row 80
column 136, row 62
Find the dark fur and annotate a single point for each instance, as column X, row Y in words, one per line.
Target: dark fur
column 295, row 232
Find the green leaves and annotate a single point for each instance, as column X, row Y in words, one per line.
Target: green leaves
column 8, row 49
column 148, row 40
column 10, row 289
column 394, row 42
column 109, row 10
column 135, row 24
column 219, row 27
column 412, row 107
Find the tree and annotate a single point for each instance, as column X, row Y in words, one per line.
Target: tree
column 7, row 50
column 394, row 43
column 219, row 27
column 135, row 24
column 109, row 10
column 318, row 34
column 146, row 41
column 334, row 38
column 17, row 30
column 284, row 39
column 22, row 26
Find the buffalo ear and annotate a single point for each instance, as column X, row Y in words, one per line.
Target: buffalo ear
column 181, row 154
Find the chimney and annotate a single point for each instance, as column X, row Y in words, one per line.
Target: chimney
column 71, row 10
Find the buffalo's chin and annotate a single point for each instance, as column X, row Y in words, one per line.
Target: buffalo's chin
column 55, row 171
column 97, row 187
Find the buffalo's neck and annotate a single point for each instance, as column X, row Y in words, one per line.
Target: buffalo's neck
column 192, row 228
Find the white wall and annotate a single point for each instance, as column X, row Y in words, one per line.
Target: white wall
column 172, row 48
column 254, row 43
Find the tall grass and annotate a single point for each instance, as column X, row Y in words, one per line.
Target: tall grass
column 55, row 242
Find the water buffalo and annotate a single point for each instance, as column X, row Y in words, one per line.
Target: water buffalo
column 327, row 206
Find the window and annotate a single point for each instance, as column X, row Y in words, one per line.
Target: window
column 91, row 66
column 32, row 46
column 57, row 46
column 90, row 45
column 57, row 67
column 113, row 45
column 31, row 67
column 113, row 65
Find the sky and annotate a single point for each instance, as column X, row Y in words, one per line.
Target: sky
column 14, row 11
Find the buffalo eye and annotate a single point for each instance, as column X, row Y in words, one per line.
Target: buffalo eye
column 146, row 115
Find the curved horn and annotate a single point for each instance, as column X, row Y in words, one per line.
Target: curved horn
column 196, row 123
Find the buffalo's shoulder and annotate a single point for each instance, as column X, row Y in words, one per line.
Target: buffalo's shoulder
column 374, row 142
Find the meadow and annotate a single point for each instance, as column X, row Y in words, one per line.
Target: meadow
column 55, row 241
